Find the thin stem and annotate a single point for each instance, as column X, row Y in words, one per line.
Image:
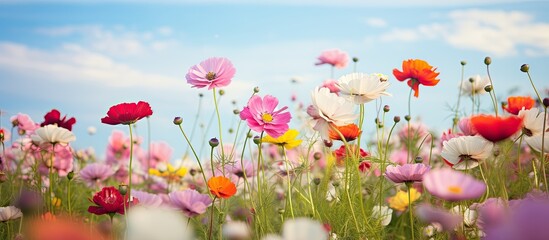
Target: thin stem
column 131, row 161
column 50, row 187
column 410, row 210
column 409, row 155
column 194, row 153
column 543, row 132
column 493, row 92
column 211, row 219
column 382, row 166
column 289, row 182
column 149, row 152
column 219, row 127
column 69, row 197
column 459, row 98
column 212, row 162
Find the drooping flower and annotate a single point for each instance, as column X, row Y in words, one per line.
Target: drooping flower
column 417, row 72
column 494, row 128
column 95, row 173
column 329, row 109
column 427, row 213
column 54, row 117
column 334, row 57
column 466, row 152
column 383, row 213
column 532, row 121
column 287, row 140
column 211, row 73
column 147, row 223
column 475, row 85
column 191, row 202
column 452, row 185
column 361, row 88
column 52, row 134
column 517, row 103
column 110, row 201
column 127, row 113
column 260, row 114
column 9, row 213
column 147, row 199
column 406, row 173
column 350, row 132
column 221, row 187
column 400, row 201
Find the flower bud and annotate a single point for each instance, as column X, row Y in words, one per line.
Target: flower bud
column 488, row 88
column 396, row 119
column 386, row 108
column 376, row 121
column 525, row 68
column 546, row 102
column 471, row 80
column 200, row 95
column 463, row 62
column 316, row 181
column 221, row 92
column 380, row 125
column 250, row 135
column 236, row 112
column 178, row 120
column 355, row 59
column 123, row 189
column 328, row 143
column 418, row 159
column 317, row 156
column 231, row 130
column 336, row 183
column 256, row 89
column 281, row 211
column 192, row 172
column 257, row 140
column 70, row 175
column 213, row 142
column 407, row 118
column 487, row 61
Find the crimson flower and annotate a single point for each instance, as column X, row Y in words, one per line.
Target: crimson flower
column 110, row 201
column 54, row 117
column 494, row 128
column 417, row 72
column 127, row 113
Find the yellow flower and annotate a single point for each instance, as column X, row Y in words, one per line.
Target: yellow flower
column 169, row 171
column 400, row 202
column 55, row 201
column 287, row 140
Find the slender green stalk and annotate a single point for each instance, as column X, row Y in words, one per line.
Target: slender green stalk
column 50, row 187
column 211, row 219
column 212, row 162
column 458, row 100
column 409, row 155
column 493, row 92
column 410, row 210
column 289, row 179
column 131, row 161
column 543, row 133
column 194, row 153
column 220, row 129
column 69, row 197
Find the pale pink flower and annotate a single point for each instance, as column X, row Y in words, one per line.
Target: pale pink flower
column 330, row 84
column 451, row 185
column 406, row 173
column 147, row 199
column 95, row 173
column 211, row 73
column 467, row 127
column 24, row 123
column 334, row 57
column 191, row 202
column 260, row 114
column 159, row 152
column 62, row 160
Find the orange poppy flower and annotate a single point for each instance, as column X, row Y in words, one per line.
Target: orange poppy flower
column 417, row 72
column 350, row 132
column 494, row 128
column 221, row 187
column 515, row 104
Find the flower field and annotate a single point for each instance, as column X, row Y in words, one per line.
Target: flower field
column 309, row 172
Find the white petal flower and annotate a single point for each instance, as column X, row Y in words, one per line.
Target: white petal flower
column 146, row 223
column 474, row 85
column 9, row 213
column 532, row 122
column 469, row 216
column 52, row 134
column 361, row 88
column 535, row 142
column 303, row 229
column 236, row 230
column 328, row 108
column 466, row 152
column 383, row 213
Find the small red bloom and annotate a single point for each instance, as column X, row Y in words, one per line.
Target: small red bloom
column 515, row 104
column 54, row 117
column 341, row 153
column 350, row 132
column 364, row 166
column 494, row 128
column 417, row 72
column 110, row 201
column 127, row 113
column 221, row 187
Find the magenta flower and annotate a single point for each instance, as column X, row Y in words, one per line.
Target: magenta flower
column 147, row 199
column 407, row 173
column 211, row 73
column 191, row 202
column 260, row 114
column 334, row 57
column 430, row 214
column 452, row 185
column 95, row 173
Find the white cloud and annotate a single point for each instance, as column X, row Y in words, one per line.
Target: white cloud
column 501, row 33
column 376, row 22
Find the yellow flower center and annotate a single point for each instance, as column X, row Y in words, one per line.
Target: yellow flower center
column 455, row 189
column 211, row 76
column 267, row 117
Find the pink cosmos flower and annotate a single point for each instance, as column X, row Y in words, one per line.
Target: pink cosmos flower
column 330, row 84
column 95, row 173
column 406, row 172
column 159, row 152
column 467, row 127
column 62, row 161
column 430, row 214
column 399, row 157
column 260, row 114
column 191, row 202
column 452, row 185
column 147, row 199
column 334, row 57
column 491, row 212
column 239, row 171
column 211, row 73
column 24, row 123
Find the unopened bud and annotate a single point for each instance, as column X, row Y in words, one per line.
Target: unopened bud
column 192, row 172
column 316, row 181
column 407, row 118
column 418, row 159
column 396, row 119
column 70, row 175
column 386, row 108
column 213, row 142
column 256, row 89
column 236, row 112
column 336, row 183
column 317, row 156
column 487, row 61
column 525, row 68
column 355, row 59
column 231, row 130
column 546, row 102
column 123, row 189
column 488, row 88
column 178, row 120
column 281, row 211
column 257, row 140
column 200, row 95
column 463, row 63
column 376, row 121
column 328, row 143
column 250, row 135
column 471, row 80
column 221, row 92
column 380, row 125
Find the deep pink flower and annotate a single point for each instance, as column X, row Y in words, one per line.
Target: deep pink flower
column 95, row 173
column 211, row 73
column 452, row 185
column 191, row 202
column 260, row 114
column 334, row 57
column 127, row 113
column 24, row 123
column 54, row 117
column 406, row 173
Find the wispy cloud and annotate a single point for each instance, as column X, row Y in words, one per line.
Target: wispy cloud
column 376, row 22
column 501, row 33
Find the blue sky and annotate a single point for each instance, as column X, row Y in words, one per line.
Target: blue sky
column 82, row 58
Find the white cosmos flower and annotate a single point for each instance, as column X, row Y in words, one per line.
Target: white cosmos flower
column 532, row 122
column 303, row 229
column 469, row 216
column 236, row 230
column 466, row 152
column 383, row 213
column 9, row 213
column 535, row 142
column 474, row 85
column 329, row 108
column 146, row 223
column 361, row 88
column 52, row 134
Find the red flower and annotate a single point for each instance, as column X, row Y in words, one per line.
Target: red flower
column 54, row 117
column 350, row 132
column 110, row 201
column 494, row 128
column 364, row 166
column 515, row 104
column 127, row 113
column 221, row 187
column 417, row 72
column 341, row 153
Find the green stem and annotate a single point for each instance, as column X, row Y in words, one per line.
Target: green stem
column 289, row 182
column 543, row 132
column 50, row 187
column 130, row 173
column 69, row 197
column 382, row 167
column 219, row 127
column 409, row 155
column 211, row 219
column 212, row 162
column 410, row 210
column 194, row 153
column 459, row 98
column 493, row 92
